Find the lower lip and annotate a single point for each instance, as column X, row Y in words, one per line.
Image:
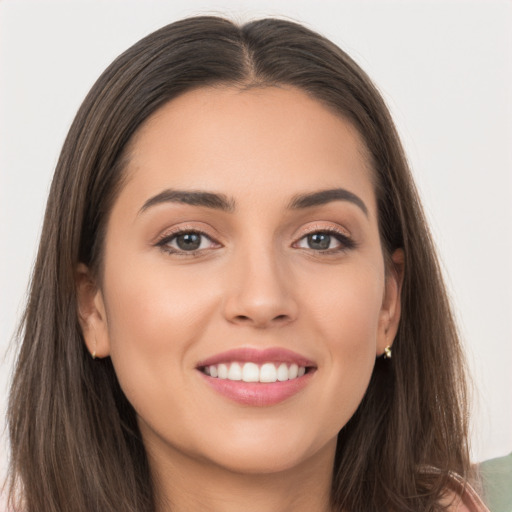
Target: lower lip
column 258, row 394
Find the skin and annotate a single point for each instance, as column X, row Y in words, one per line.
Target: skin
column 255, row 282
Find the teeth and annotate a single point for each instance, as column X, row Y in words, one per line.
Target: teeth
column 235, row 372
column 268, row 373
column 282, row 372
column 222, row 370
column 293, row 371
column 251, row 372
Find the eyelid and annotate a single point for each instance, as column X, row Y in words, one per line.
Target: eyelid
column 314, row 228
column 164, row 238
column 202, row 229
column 343, row 236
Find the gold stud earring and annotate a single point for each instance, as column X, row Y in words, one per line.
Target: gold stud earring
column 387, row 352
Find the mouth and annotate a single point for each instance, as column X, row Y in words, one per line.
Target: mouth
column 252, row 372
column 257, row 377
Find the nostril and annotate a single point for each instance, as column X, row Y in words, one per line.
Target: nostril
column 261, row 321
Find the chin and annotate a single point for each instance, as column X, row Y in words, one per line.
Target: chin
column 267, row 454
column 261, row 463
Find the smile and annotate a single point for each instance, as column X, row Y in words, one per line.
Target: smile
column 252, row 372
column 257, row 377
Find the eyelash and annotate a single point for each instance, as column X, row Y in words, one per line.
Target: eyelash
column 346, row 243
column 164, row 242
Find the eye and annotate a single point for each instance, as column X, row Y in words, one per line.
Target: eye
column 186, row 242
column 325, row 241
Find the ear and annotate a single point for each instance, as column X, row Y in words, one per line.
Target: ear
column 391, row 303
column 91, row 313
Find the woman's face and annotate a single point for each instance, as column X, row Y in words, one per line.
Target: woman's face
column 244, row 244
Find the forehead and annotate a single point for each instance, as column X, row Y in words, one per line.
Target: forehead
column 268, row 140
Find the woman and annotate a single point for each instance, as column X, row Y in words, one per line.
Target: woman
column 236, row 304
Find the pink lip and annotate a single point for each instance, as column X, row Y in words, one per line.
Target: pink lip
column 258, row 356
column 258, row 394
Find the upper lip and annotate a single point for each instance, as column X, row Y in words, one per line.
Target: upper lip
column 253, row 355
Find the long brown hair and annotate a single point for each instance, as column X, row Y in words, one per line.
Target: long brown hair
column 74, row 436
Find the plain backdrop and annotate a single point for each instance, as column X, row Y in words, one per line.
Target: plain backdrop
column 444, row 68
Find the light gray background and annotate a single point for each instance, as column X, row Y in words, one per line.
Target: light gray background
column 444, row 67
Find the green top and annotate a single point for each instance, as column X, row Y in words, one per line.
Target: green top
column 496, row 477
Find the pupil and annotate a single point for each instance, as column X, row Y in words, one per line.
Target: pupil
column 319, row 241
column 189, row 241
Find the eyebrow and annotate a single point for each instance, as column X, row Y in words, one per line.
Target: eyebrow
column 326, row 196
column 192, row 197
column 224, row 203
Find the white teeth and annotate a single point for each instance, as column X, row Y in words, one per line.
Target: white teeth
column 235, row 372
column 251, row 372
column 282, row 372
column 268, row 373
column 222, row 371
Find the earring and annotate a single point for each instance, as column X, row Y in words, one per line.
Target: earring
column 387, row 352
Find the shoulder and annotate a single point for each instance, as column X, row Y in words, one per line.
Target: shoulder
column 496, row 475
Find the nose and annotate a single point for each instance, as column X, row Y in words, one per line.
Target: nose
column 260, row 291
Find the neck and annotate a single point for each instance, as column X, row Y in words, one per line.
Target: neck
column 184, row 484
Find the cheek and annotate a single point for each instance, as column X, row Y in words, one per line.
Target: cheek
column 346, row 317
column 346, row 306
column 154, row 317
